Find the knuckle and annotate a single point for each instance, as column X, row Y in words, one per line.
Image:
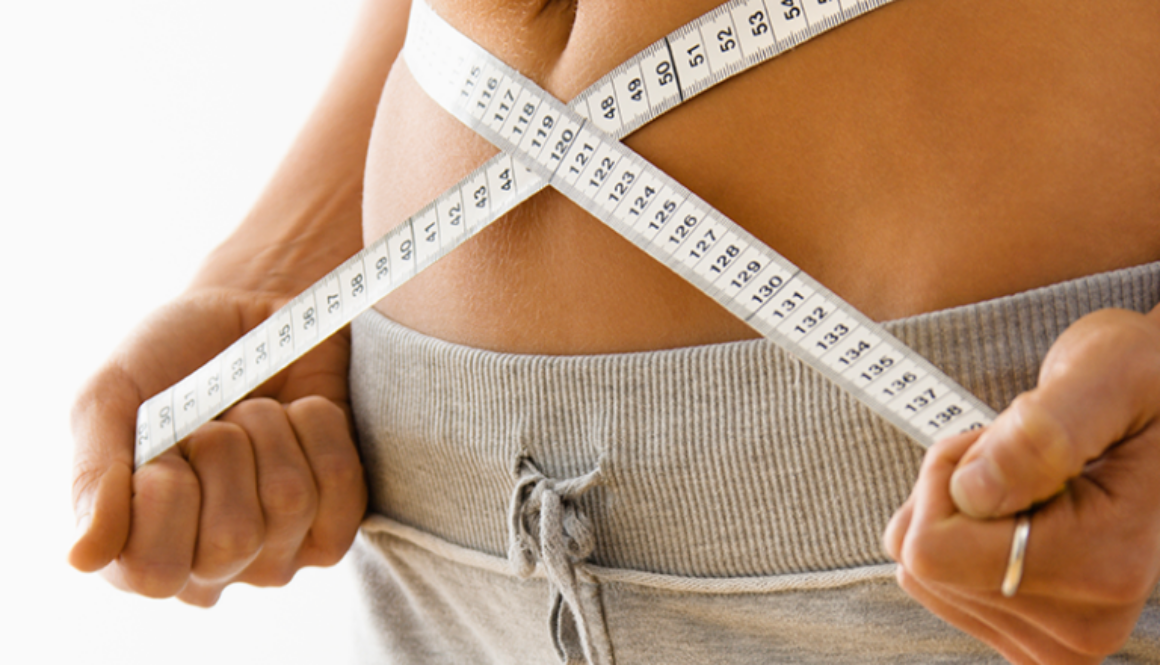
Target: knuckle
column 204, row 601
column 252, row 407
column 289, row 495
column 315, row 406
column 328, row 555
column 271, row 576
column 111, row 390
column 86, row 479
column 1124, row 586
column 909, row 583
column 233, row 540
column 93, row 393
column 329, row 551
column 83, row 404
column 1127, row 583
column 1104, row 333
column 1122, row 571
column 167, row 482
column 1098, row 637
column 213, row 439
column 921, row 560
column 341, row 471
column 1040, row 440
column 154, row 579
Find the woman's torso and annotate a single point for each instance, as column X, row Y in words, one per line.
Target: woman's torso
column 927, row 155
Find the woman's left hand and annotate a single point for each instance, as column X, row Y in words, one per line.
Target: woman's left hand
column 1084, row 448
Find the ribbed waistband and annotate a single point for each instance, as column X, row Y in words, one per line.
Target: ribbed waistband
column 726, row 460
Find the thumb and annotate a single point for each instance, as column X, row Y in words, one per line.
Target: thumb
column 103, row 427
column 1098, row 385
column 103, row 527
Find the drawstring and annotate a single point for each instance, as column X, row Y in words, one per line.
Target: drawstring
column 544, row 524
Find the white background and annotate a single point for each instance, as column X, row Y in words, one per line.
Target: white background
column 133, row 136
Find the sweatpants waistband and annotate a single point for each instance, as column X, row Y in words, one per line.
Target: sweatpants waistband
column 719, row 461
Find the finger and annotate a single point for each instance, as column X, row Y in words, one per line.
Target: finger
column 231, row 528
column 1050, row 629
column 1075, row 547
column 1018, row 640
column 1095, row 389
column 103, row 519
column 1078, row 626
column 102, row 425
column 895, row 534
column 323, row 431
column 201, row 594
column 286, row 489
column 104, row 414
column 1092, row 543
column 945, row 451
column 930, row 494
column 1097, row 543
column 1120, row 531
column 963, row 620
column 942, row 544
column 166, row 501
column 323, row 372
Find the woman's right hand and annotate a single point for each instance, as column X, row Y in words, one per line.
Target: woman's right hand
column 1083, row 449
column 273, row 485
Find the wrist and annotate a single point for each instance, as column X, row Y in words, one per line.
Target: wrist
column 281, row 252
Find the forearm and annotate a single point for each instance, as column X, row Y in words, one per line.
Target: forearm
column 308, row 219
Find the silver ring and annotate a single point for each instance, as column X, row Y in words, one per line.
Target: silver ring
column 1014, row 574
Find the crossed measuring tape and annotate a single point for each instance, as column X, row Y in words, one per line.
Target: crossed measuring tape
column 576, row 149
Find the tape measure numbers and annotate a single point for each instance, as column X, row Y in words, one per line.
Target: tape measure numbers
column 576, row 148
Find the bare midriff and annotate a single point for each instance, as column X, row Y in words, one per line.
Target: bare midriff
column 930, row 154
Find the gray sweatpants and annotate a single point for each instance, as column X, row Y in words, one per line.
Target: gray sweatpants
column 715, row 504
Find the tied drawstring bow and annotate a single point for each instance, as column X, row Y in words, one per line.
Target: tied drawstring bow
column 545, row 525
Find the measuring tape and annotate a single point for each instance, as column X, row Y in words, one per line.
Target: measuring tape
column 576, row 149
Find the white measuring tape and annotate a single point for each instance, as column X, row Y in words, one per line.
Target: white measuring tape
column 576, row 149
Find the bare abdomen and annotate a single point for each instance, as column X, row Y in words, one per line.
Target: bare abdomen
column 928, row 155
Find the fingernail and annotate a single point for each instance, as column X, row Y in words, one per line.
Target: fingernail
column 978, row 489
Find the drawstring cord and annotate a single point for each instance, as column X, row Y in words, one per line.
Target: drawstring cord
column 544, row 524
